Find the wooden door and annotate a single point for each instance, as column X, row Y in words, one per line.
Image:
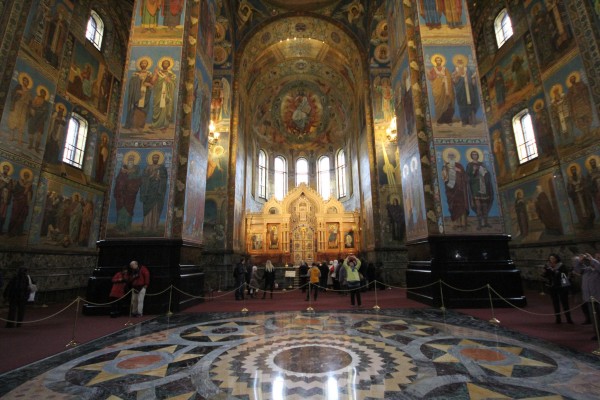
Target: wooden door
column 303, row 245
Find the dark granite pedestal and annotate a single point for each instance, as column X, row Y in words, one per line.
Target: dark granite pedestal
column 463, row 272
column 175, row 283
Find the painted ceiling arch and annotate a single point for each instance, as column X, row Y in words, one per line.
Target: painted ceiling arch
column 302, row 75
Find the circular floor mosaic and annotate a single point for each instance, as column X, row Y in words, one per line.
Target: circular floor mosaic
column 316, row 356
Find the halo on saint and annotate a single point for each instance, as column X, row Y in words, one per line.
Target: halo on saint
column 557, row 87
column 448, row 151
column 587, row 161
column 23, row 171
column 519, row 193
column 139, row 60
column 538, row 105
column 413, row 164
column 460, row 57
column 59, row 105
column 161, row 157
column 166, row 58
column 577, row 76
column 576, row 166
column 39, row 89
column 393, row 197
column 10, row 167
column 478, row 151
column 130, row 154
column 438, row 55
column 218, row 150
column 25, row 75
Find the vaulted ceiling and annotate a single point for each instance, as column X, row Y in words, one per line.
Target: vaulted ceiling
column 301, row 72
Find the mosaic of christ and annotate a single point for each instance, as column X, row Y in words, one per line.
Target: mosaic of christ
column 298, row 113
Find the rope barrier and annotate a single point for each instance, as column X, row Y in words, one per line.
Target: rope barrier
column 464, row 290
column 42, row 319
column 493, row 295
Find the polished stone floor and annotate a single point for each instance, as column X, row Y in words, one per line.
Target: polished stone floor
column 356, row 354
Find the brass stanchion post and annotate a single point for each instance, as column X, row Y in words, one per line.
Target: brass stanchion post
column 309, row 308
column 169, row 312
column 73, row 342
column 376, row 306
column 443, row 308
column 595, row 316
column 244, row 309
column 129, row 323
column 494, row 320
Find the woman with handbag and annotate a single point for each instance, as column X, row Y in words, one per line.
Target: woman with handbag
column 558, row 283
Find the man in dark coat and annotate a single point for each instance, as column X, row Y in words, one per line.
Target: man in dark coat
column 16, row 293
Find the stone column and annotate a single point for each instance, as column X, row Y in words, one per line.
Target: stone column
column 156, row 209
column 455, row 229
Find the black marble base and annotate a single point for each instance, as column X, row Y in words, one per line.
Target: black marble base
column 173, row 285
column 464, row 272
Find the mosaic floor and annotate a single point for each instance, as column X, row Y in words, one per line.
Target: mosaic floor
column 396, row 354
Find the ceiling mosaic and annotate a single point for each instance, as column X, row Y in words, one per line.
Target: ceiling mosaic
column 303, row 75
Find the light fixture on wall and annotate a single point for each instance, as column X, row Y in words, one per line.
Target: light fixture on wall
column 392, row 131
column 213, row 135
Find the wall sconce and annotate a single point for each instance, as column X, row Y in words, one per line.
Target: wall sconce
column 213, row 135
column 392, row 131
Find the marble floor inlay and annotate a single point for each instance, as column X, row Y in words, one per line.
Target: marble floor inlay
column 396, row 354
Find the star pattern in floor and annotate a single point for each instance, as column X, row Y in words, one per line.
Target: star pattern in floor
column 397, row 354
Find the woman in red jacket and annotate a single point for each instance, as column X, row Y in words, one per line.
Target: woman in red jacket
column 118, row 290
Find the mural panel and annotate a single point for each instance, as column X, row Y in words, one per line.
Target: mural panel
column 535, row 211
column 453, row 91
column 383, row 99
column 468, row 198
column 139, row 193
column 193, row 219
column 403, row 99
column 582, row 182
column 509, row 82
column 67, row 216
column 542, row 126
column 89, row 81
column 551, row 30
column 572, row 113
column 18, row 185
column 151, row 93
column 158, row 20
column 24, row 124
column 396, row 31
column 413, row 196
column 102, row 152
column 46, row 29
column 61, row 111
column 443, row 16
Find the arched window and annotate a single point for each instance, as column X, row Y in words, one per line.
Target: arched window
column 301, row 171
column 503, row 27
column 280, row 177
column 262, row 174
column 324, row 177
column 75, row 143
column 524, row 136
column 342, row 187
column 95, row 29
